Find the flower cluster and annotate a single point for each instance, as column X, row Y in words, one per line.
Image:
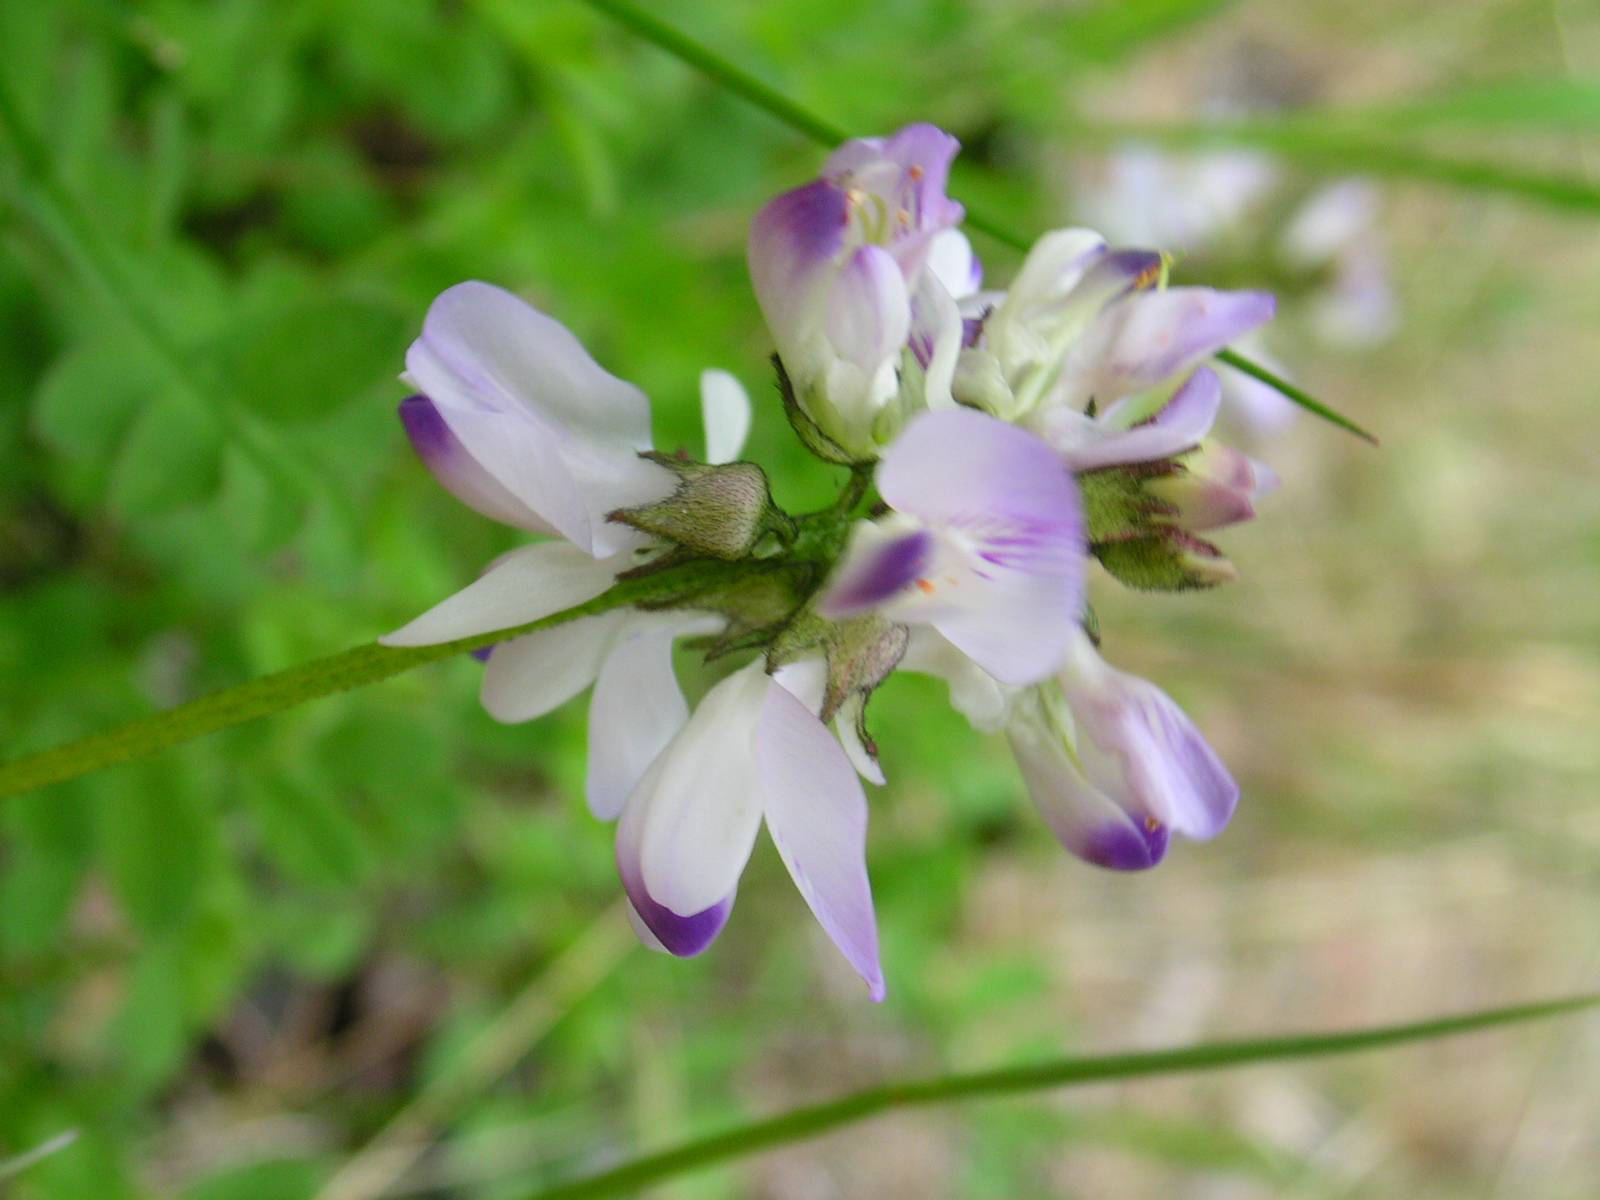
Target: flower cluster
column 996, row 442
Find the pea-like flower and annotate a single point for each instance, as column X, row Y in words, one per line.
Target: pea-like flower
column 841, row 271
column 1114, row 766
column 986, row 544
column 519, row 422
column 754, row 752
column 1089, row 354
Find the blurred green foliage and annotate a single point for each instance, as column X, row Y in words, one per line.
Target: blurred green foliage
column 220, row 223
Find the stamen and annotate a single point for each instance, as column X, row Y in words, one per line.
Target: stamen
column 916, row 172
column 926, row 587
column 1151, row 824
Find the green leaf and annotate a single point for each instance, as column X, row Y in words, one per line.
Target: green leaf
column 309, row 358
column 262, row 516
column 90, row 397
column 308, row 833
column 155, row 839
column 51, row 844
column 172, row 457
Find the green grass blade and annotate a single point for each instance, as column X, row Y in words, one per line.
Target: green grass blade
column 719, row 70
column 803, row 1123
column 773, row 102
column 1548, row 105
column 1291, row 392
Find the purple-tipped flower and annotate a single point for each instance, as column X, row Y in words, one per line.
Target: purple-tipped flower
column 986, row 544
column 1114, row 766
column 841, row 271
column 754, row 751
column 1086, row 346
column 518, row 421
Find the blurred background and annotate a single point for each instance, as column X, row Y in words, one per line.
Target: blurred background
column 373, row 948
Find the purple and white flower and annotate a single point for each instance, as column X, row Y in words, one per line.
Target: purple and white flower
column 1114, row 766
column 986, row 544
column 846, row 270
column 754, row 752
column 1087, row 353
column 520, row 423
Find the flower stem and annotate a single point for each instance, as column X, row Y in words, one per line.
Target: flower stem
column 767, row 98
column 803, row 1123
column 324, row 677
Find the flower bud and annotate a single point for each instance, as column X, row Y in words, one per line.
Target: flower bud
column 717, row 511
column 1210, row 487
column 1166, row 560
column 838, row 266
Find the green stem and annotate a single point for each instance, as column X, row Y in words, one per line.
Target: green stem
column 741, row 83
column 803, row 1123
column 285, row 689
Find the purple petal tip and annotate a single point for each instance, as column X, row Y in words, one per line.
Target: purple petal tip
column 1129, row 847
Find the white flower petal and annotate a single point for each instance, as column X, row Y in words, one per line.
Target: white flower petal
column 527, row 584
column 659, row 927
column 636, row 709
column 526, row 401
column 725, row 408
column 700, row 806
column 817, row 815
column 533, row 674
column 974, row 693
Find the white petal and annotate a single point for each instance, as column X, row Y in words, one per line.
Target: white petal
column 527, row 584
column 463, row 476
column 530, row 675
column 700, row 808
column 974, row 693
column 537, row 413
column 817, row 815
column 636, row 709
column 952, row 262
column 659, row 927
column 725, row 408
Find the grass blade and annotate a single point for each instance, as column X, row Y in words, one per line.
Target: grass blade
column 803, row 1123
column 1293, row 393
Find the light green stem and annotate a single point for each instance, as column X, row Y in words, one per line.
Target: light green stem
column 802, row 1123
column 745, row 85
column 311, row 681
